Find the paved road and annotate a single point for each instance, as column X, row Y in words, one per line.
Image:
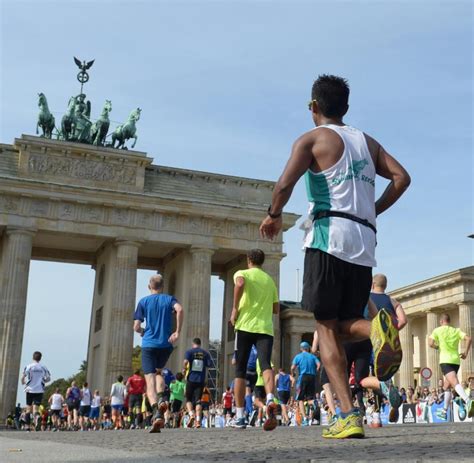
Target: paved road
column 290, row 445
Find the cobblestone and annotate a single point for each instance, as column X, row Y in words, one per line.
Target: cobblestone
column 409, row 443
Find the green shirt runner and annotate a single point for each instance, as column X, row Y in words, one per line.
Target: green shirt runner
column 177, row 389
column 256, row 305
column 447, row 338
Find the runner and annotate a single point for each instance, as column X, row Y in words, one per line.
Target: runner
column 56, row 405
column 255, row 302
column 307, row 365
column 85, row 407
column 117, row 399
column 284, row 383
column 136, row 387
column 446, row 339
column 227, row 401
column 260, row 399
column 35, row 376
column 95, row 410
column 340, row 164
column 73, row 400
column 196, row 362
column 177, row 387
column 382, row 301
column 157, row 343
column 206, row 405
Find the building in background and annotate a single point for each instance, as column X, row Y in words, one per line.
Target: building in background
column 424, row 302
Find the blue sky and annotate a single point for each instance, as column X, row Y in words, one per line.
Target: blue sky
column 223, row 87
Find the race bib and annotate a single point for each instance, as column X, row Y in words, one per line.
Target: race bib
column 198, row 365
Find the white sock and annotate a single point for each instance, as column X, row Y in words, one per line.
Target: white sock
column 461, row 392
column 270, row 397
column 447, row 399
column 239, row 412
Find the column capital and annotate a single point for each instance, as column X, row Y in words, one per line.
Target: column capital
column 128, row 242
column 202, row 249
column 466, row 304
column 29, row 231
column 275, row 256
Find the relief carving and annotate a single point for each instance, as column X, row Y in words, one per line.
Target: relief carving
column 9, row 204
column 81, row 168
column 66, row 211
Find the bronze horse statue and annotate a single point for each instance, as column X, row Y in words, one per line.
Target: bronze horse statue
column 100, row 128
column 67, row 122
column 126, row 131
column 45, row 118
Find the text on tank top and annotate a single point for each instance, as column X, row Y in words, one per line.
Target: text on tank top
column 347, row 187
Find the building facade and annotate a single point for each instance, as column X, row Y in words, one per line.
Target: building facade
column 115, row 211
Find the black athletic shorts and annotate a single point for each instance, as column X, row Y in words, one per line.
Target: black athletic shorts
column 359, row 353
column 176, row 405
column 243, row 345
column 85, row 410
column 284, row 397
column 73, row 404
column 333, row 288
column 260, row 393
column 135, row 401
column 194, row 392
column 448, row 368
column 324, row 376
column 34, row 398
column 205, row 406
column 305, row 390
column 55, row 412
column 251, row 378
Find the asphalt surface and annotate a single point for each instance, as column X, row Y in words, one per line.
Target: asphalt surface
column 408, row 443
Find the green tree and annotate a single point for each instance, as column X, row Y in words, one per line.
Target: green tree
column 137, row 358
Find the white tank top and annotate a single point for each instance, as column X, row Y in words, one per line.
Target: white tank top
column 56, row 402
column 86, row 397
column 348, row 186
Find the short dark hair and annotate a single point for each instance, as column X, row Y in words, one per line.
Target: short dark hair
column 179, row 376
column 446, row 318
column 37, row 356
column 256, row 256
column 197, row 341
column 119, row 378
column 137, row 372
column 332, row 95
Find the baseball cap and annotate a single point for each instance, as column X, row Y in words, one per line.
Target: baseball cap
column 304, row 345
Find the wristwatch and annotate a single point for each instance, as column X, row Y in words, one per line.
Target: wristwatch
column 273, row 216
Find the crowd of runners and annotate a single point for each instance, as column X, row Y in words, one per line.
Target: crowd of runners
column 356, row 341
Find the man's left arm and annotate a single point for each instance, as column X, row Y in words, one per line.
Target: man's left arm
column 468, row 340
column 400, row 313
column 299, row 162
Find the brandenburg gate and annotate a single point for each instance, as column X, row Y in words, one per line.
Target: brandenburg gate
column 113, row 209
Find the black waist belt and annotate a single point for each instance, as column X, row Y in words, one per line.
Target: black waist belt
column 344, row 215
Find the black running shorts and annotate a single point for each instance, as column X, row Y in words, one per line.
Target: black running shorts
column 359, row 354
column 306, row 388
column 334, row 289
column 243, row 345
column 448, row 368
column 135, row 401
column 283, row 397
column 34, row 398
column 194, row 392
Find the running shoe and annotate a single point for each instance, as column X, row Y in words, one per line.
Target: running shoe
column 332, row 420
column 470, row 408
column 271, row 421
column 345, row 428
column 391, row 393
column 197, row 424
column 462, row 408
column 386, row 345
column 305, row 422
column 191, row 421
column 157, row 418
column 441, row 413
column 240, row 423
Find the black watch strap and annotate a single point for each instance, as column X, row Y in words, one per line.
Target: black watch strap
column 273, row 216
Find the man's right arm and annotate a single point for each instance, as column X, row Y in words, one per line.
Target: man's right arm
column 238, row 293
column 388, row 167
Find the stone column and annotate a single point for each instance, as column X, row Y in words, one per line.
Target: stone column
column 295, row 341
column 16, row 255
column 272, row 267
column 432, row 355
column 466, row 323
column 198, row 312
column 120, row 329
column 406, row 368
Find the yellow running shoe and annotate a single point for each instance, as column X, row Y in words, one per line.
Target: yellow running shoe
column 386, row 345
column 346, row 428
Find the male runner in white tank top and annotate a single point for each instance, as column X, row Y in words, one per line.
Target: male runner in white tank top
column 340, row 163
